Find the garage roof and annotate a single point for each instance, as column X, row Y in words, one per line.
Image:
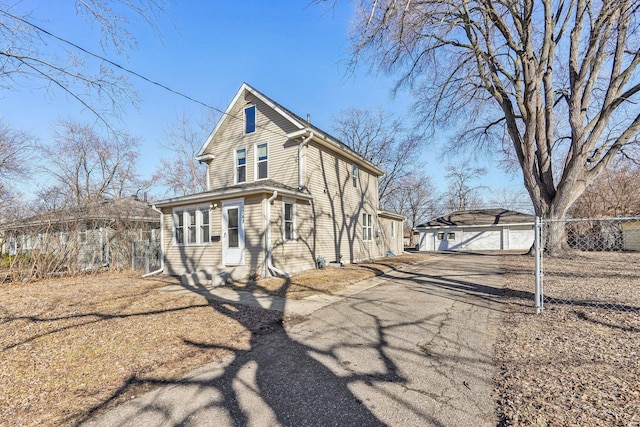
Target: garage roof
column 479, row 217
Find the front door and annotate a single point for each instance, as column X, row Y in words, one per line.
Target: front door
column 233, row 233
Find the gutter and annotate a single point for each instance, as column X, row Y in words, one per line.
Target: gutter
column 303, row 144
column 153, row 273
column 269, row 267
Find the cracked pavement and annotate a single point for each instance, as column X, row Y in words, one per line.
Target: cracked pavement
column 415, row 350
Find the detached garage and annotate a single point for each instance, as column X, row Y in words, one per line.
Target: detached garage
column 486, row 229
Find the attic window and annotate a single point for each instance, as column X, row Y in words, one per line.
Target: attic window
column 250, row 119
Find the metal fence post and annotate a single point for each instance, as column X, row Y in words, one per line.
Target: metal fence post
column 538, row 267
column 147, row 245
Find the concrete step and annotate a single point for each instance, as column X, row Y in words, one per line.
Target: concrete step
column 198, row 278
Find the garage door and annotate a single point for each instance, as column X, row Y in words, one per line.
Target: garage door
column 521, row 238
column 482, row 239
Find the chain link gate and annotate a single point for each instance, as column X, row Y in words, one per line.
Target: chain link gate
column 599, row 263
column 146, row 255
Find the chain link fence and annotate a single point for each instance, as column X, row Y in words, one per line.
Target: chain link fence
column 590, row 262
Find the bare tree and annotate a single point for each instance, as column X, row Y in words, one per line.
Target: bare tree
column 461, row 194
column 382, row 139
column 61, row 65
column 180, row 173
column 515, row 200
column 86, row 166
column 16, row 149
column 553, row 83
column 415, row 197
column 616, row 192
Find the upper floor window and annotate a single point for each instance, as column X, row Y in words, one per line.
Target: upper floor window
column 262, row 156
column 250, row 119
column 191, row 226
column 241, row 165
column 288, row 220
column 355, row 175
column 367, row 229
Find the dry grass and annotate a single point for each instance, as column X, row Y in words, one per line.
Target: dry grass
column 71, row 346
column 576, row 363
column 328, row 280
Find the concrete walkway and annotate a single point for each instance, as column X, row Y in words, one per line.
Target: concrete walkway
column 410, row 349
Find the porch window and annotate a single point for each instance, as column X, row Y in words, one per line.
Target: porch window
column 250, row 119
column 441, row 236
column 451, row 236
column 289, row 213
column 191, row 226
column 262, row 157
column 241, row 165
column 204, row 226
column 366, row 227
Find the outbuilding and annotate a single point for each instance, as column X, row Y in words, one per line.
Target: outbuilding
column 484, row 229
column 631, row 235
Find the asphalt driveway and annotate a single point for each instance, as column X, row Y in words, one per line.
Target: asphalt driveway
column 412, row 348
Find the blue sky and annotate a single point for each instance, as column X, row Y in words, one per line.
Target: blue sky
column 293, row 52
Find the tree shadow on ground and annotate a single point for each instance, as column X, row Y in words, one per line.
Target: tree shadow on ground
column 280, row 376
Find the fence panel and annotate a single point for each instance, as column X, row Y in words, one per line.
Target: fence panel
column 599, row 267
column 146, row 255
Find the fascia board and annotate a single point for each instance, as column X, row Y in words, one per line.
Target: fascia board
column 437, row 227
column 225, row 194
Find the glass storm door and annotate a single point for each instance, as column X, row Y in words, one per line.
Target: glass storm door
column 233, row 234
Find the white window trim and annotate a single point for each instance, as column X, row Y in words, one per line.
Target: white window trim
column 235, row 164
column 367, row 227
column 244, row 119
column 198, row 225
column 293, row 220
column 255, row 161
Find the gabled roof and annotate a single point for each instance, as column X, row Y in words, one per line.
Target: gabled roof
column 303, row 126
column 128, row 209
column 479, row 217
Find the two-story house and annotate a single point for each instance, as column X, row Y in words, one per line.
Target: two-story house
column 282, row 196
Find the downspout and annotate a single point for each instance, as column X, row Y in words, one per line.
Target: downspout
column 161, row 244
column 300, row 147
column 270, row 268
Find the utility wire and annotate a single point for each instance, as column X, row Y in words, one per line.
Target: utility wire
column 95, row 55
column 123, row 68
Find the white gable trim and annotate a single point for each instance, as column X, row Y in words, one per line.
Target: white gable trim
column 228, row 116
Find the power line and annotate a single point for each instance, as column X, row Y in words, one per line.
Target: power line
column 123, row 68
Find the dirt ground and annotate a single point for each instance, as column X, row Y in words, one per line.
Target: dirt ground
column 577, row 363
column 70, row 347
